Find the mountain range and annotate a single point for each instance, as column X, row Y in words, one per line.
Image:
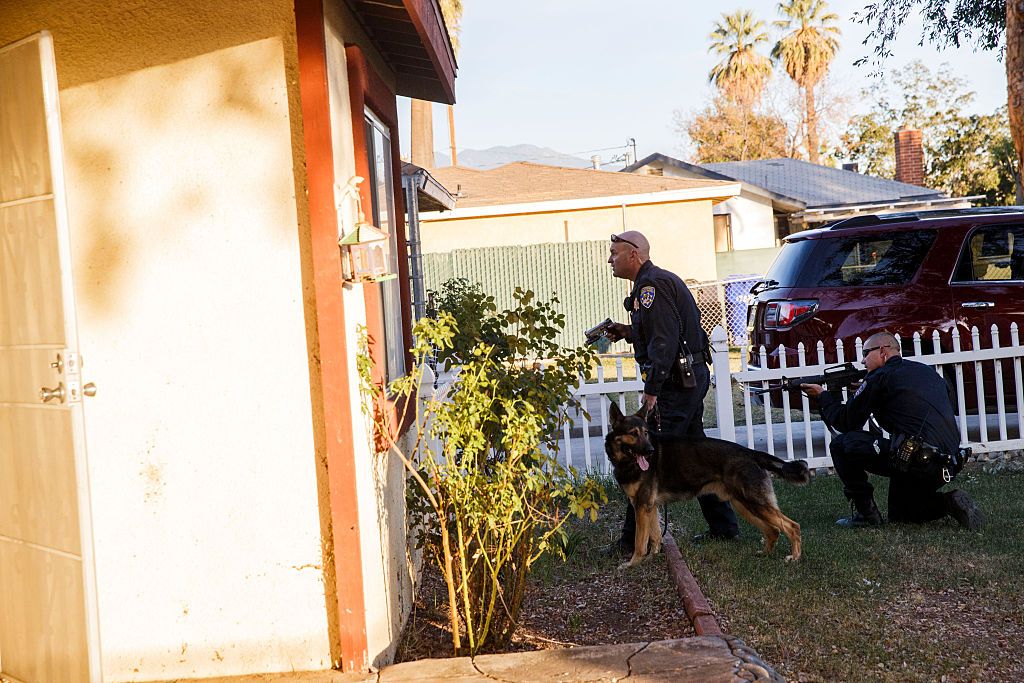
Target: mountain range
column 492, row 157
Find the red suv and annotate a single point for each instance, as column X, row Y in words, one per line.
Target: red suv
column 905, row 273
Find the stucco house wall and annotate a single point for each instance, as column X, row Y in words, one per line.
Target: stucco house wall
column 681, row 233
column 190, row 231
column 752, row 220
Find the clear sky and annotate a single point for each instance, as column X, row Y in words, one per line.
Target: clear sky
column 580, row 75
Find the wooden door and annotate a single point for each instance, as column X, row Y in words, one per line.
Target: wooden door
column 48, row 620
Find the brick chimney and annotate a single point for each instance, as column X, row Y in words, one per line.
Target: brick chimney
column 909, row 157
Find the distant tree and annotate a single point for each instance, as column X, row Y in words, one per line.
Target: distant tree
column 977, row 160
column 743, row 71
column 421, row 134
column 728, row 131
column 985, row 23
column 805, row 52
column 964, row 154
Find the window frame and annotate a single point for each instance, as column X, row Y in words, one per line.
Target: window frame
column 368, row 91
column 391, row 310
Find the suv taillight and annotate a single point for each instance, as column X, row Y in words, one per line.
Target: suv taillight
column 788, row 313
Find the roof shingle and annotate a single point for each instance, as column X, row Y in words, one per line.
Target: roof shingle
column 819, row 186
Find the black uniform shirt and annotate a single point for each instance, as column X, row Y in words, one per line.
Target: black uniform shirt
column 658, row 303
column 906, row 397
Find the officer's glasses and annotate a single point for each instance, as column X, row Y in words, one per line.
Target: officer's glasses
column 616, row 238
column 867, row 352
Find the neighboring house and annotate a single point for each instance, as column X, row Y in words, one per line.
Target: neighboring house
column 529, row 204
column 174, row 180
column 782, row 196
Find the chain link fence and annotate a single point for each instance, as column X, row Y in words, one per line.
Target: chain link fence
column 724, row 302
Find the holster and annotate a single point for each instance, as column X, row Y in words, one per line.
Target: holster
column 910, row 454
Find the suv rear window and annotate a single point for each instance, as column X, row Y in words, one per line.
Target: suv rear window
column 879, row 259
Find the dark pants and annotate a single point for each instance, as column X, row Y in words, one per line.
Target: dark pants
column 912, row 497
column 680, row 412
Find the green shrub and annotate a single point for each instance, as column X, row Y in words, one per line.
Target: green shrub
column 489, row 496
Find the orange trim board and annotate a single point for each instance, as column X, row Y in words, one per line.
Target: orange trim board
column 367, row 90
column 330, row 321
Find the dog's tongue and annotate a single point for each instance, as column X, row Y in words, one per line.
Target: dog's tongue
column 642, row 461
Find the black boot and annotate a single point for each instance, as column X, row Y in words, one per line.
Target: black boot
column 960, row 507
column 865, row 513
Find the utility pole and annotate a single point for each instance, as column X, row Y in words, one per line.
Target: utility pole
column 451, row 132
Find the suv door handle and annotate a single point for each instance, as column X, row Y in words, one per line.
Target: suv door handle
column 977, row 304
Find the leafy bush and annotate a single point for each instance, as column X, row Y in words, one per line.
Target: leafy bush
column 489, row 498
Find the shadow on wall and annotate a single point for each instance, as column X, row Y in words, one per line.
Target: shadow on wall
column 96, row 41
column 179, row 170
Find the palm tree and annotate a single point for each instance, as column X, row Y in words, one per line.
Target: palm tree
column 806, row 51
column 421, row 137
column 743, row 72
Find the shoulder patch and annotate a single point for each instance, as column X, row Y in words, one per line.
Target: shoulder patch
column 860, row 389
column 647, row 296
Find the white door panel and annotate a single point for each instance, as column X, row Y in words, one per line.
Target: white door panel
column 48, row 617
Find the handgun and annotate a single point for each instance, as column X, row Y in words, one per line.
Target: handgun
column 598, row 331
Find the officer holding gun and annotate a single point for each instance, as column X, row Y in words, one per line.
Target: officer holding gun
column 911, row 402
column 669, row 346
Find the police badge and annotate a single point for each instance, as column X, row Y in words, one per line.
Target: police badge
column 647, row 296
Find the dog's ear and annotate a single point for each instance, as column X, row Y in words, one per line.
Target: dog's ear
column 642, row 412
column 614, row 413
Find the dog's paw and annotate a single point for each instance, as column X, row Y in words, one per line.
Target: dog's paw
column 792, row 558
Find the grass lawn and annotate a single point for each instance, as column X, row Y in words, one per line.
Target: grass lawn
column 898, row 603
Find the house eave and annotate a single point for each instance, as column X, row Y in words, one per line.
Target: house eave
column 412, row 37
column 715, row 194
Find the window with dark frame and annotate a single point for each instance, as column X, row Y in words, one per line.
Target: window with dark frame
column 382, row 215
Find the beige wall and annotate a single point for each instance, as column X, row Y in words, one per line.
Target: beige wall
column 752, row 216
column 387, row 572
column 681, row 233
column 189, row 255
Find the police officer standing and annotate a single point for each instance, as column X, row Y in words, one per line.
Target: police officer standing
column 665, row 324
column 911, row 402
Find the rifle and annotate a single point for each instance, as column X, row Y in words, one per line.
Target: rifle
column 598, row 331
column 838, row 376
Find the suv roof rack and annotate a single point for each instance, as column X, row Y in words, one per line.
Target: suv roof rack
column 873, row 219
column 907, row 216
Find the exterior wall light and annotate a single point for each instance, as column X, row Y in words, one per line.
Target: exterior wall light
column 364, row 248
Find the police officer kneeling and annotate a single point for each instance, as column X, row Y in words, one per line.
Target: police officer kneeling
column 911, row 402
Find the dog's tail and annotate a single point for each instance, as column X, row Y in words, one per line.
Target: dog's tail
column 795, row 471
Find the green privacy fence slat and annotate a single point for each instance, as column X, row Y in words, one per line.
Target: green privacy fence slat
column 577, row 272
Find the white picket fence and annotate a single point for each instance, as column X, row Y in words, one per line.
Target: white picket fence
column 582, row 444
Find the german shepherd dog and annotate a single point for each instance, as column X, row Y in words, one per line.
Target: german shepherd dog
column 684, row 467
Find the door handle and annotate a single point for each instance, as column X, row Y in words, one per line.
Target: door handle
column 977, row 304
column 45, row 395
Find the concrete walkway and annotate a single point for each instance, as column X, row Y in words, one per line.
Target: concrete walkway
column 710, row 657
column 704, row 659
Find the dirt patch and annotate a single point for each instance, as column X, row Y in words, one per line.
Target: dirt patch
column 584, row 600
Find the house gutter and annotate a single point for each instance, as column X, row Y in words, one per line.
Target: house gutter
column 416, row 183
column 720, row 192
